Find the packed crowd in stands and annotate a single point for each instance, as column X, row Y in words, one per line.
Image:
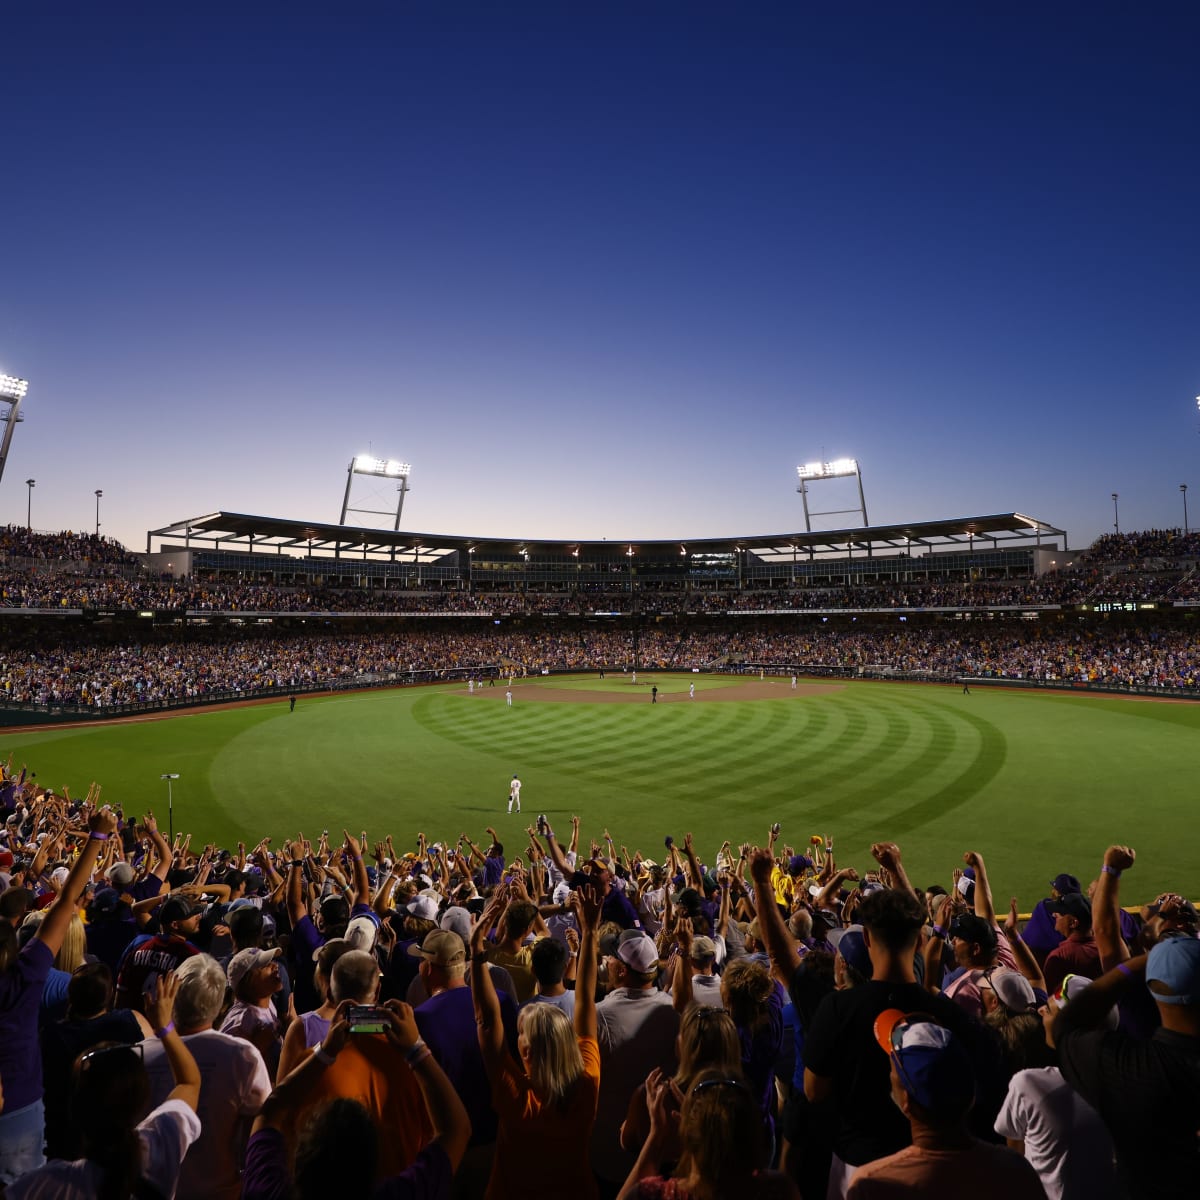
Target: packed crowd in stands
column 57, row 591
column 549, row 1013
column 16, row 541
column 44, row 572
column 73, row 667
column 1165, row 545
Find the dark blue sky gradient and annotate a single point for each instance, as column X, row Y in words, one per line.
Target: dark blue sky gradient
column 602, row 273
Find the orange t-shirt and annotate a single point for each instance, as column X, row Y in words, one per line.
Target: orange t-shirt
column 556, row 1140
column 373, row 1071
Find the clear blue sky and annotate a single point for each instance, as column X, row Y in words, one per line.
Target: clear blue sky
column 601, row 271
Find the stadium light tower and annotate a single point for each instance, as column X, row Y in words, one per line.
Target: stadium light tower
column 99, row 493
column 30, row 484
column 1183, row 492
column 382, row 468
column 840, row 468
column 1116, row 514
column 12, row 392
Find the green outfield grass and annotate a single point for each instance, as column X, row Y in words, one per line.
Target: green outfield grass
column 1039, row 782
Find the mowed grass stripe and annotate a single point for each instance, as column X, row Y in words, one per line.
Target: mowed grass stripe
column 984, row 766
column 922, row 745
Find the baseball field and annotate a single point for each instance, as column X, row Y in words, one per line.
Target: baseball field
column 1038, row 782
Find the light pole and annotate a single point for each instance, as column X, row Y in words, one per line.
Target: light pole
column 12, row 392
column 1183, row 492
column 30, row 484
column 170, row 807
column 1116, row 515
column 99, row 493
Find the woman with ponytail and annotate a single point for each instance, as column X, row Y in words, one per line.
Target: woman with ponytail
column 128, row 1155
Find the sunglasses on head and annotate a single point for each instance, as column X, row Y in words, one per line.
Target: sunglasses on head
column 88, row 1057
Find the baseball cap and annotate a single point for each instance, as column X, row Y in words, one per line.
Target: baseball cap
column 120, row 874
column 1014, row 991
column 361, row 933
column 852, row 946
column 457, row 919
column 703, row 948
column 1073, row 904
column 177, row 907
column 930, row 1062
column 6, row 859
column 245, row 961
column 1173, row 971
column 1065, row 884
column 106, row 900
column 971, row 928
column 441, row 947
column 423, row 907
column 58, row 878
column 798, row 863
column 635, row 950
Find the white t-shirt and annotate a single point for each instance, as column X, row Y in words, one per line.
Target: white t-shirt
column 165, row 1134
column 234, row 1086
column 1066, row 1142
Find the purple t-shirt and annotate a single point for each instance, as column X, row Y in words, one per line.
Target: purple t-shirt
column 266, row 1175
column 21, row 988
column 493, row 870
column 143, row 889
column 447, row 1025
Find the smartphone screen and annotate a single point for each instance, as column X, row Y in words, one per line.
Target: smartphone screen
column 367, row 1018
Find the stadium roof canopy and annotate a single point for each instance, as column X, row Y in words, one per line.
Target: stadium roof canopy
column 241, row 532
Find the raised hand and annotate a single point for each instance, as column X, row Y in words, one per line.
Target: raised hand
column 162, row 1002
column 1119, row 858
column 103, row 821
column 586, row 902
column 762, row 863
column 887, row 854
column 403, row 1031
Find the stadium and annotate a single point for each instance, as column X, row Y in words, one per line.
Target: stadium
column 380, row 852
column 929, row 656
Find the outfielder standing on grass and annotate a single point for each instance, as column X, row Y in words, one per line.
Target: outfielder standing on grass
column 514, row 794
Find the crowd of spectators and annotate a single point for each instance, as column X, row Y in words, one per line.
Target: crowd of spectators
column 560, row 1014
column 16, row 541
column 1164, row 545
column 70, row 666
column 79, row 571
column 56, row 590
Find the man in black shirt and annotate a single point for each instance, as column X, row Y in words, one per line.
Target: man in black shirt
column 843, row 1065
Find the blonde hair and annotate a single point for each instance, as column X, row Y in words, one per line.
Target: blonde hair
column 746, row 989
column 74, row 946
column 707, row 1038
column 555, row 1063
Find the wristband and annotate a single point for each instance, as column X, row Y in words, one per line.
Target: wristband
column 322, row 1055
column 1124, row 970
column 416, row 1051
column 96, row 836
column 165, row 1031
column 1107, row 870
column 939, row 931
